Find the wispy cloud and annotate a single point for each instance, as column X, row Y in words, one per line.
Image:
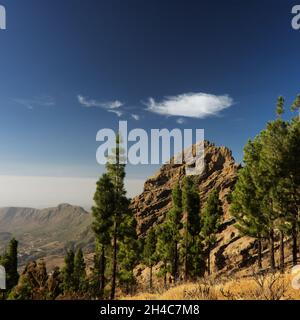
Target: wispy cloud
column 88, row 103
column 180, row 121
column 193, row 105
column 42, row 101
column 135, row 117
column 119, row 113
column 92, row 103
column 113, row 104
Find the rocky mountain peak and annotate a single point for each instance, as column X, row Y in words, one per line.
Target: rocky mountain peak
column 220, row 173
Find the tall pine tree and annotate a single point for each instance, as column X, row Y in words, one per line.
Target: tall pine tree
column 245, row 207
column 191, row 224
column 149, row 254
column 103, row 211
column 122, row 215
column 211, row 218
column 296, row 105
column 68, row 272
column 10, row 262
column 79, row 275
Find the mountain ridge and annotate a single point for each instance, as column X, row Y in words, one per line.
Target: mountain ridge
column 45, row 232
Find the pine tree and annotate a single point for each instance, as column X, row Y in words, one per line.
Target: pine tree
column 174, row 218
column 129, row 250
column 292, row 160
column 211, row 218
column 122, row 215
column 10, row 262
column 128, row 257
column 245, row 207
column 269, row 184
column 168, row 237
column 294, row 176
column 262, row 181
column 68, row 272
column 280, row 106
column 165, row 249
column 275, row 170
column 296, row 105
column 192, row 227
column 149, row 254
column 79, row 275
column 103, row 211
column 13, row 267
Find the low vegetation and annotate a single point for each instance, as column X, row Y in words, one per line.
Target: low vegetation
column 264, row 286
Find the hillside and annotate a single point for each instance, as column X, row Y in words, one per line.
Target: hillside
column 232, row 253
column 255, row 287
column 45, row 233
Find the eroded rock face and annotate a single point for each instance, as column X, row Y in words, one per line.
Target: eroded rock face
column 220, row 173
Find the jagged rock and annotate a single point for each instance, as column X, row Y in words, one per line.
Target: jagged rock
column 231, row 251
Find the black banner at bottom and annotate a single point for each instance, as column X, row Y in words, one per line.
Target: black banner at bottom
column 94, row 310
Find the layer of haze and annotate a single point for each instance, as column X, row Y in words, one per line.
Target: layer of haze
column 45, row 192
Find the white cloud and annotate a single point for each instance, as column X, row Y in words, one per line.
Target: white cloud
column 180, row 121
column 42, row 101
column 90, row 103
column 193, row 105
column 113, row 104
column 117, row 112
column 135, row 117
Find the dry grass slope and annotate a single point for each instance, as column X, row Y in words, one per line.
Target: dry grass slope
column 271, row 286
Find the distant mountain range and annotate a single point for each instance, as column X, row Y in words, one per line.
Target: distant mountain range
column 46, row 233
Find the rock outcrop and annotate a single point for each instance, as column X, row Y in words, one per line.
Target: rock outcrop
column 231, row 252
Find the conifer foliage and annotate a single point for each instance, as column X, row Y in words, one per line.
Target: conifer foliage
column 211, row 218
column 10, row 262
column 266, row 198
column 114, row 227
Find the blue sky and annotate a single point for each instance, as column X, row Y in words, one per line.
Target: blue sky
column 130, row 51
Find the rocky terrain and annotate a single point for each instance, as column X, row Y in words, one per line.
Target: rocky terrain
column 46, row 233
column 232, row 252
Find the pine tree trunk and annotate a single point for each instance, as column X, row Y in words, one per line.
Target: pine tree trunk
column 272, row 250
column 208, row 260
column 259, row 250
column 150, row 278
column 165, row 276
column 295, row 244
column 114, row 268
column 281, row 251
column 102, row 273
column 175, row 262
column 186, row 266
column 186, row 257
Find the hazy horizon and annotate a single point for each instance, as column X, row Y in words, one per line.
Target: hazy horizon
column 43, row 192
